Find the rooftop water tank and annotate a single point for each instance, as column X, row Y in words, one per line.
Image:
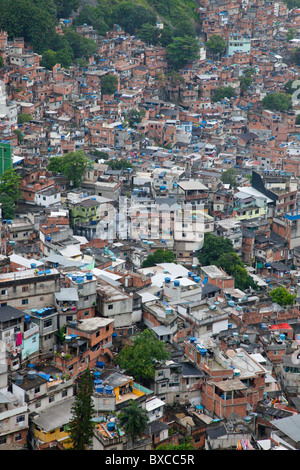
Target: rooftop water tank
column 27, row 318
column 108, row 389
column 89, row 276
column 100, row 364
column 18, row 379
column 167, row 280
column 97, row 375
column 282, row 336
column 176, row 283
column 231, row 303
column 31, row 374
column 197, row 279
column 236, row 372
column 33, row 265
column 192, row 339
column 110, row 426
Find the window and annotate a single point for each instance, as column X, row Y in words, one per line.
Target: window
column 18, row 437
column 25, row 289
column 48, row 323
column 4, row 292
column 51, row 399
column 20, row 419
column 110, row 307
column 4, row 304
column 24, row 301
column 64, row 393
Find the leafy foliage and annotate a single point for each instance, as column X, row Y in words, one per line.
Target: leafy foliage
column 81, row 425
column 277, row 102
column 181, row 50
column 229, row 177
column 222, row 92
column 138, row 358
column 109, row 84
column 219, row 251
column 133, row 419
column 216, row 45
column 131, row 16
column 24, row 117
column 282, row 296
column 159, row 256
column 7, row 206
column 73, row 166
column 10, row 184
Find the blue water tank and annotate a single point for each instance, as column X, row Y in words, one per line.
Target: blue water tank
column 176, row 283
column 79, row 280
column 197, row 279
column 74, row 278
column 192, row 339
column 231, row 303
column 108, row 389
column 97, row 375
column 282, row 336
column 27, row 318
column 110, row 426
column 114, row 335
column 89, row 276
column 99, row 389
column 167, row 280
column 33, row 265
column 100, row 364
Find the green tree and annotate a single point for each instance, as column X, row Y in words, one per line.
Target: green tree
column 185, row 444
column 138, row 359
column 131, row 16
column 73, row 166
column 135, row 116
column 10, row 184
column 109, row 84
column 166, row 36
column 149, row 34
column 81, row 426
column 282, row 297
column 1, row 62
column 7, row 206
column 80, row 45
column 213, row 248
column 66, row 7
column 277, row 102
column 49, row 59
column 133, row 419
column 229, row 177
column 184, row 28
column 159, row 256
column 216, row 45
column 20, row 135
column 34, row 20
column 119, row 164
column 246, row 80
column 222, row 92
column 24, row 117
column 182, row 50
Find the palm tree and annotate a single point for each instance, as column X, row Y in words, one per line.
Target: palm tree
column 133, row 420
